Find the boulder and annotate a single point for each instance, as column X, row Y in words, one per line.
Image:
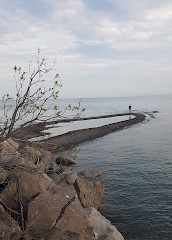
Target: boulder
column 89, row 192
column 9, row 146
column 65, row 177
column 89, row 174
column 8, row 161
column 41, row 158
column 74, row 219
column 24, row 185
column 9, row 229
column 3, row 175
column 67, row 235
column 65, row 160
column 9, row 154
column 71, row 178
column 21, row 161
column 57, row 208
column 45, row 162
column 101, row 226
column 30, row 154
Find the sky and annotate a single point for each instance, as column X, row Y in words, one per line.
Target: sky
column 102, row 48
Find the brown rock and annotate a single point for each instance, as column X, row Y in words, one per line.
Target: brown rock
column 9, row 154
column 41, row 158
column 45, row 209
column 90, row 193
column 9, row 229
column 65, row 160
column 24, row 185
column 45, row 162
column 13, row 143
column 21, row 161
column 89, row 174
column 3, row 175
column 8, row 161
column 67, row 235
column 71, row 178
column 30, row 154
column 56, row 208
column 9, row 146
column 62, row 175
column 102, row 227
column 74, row 219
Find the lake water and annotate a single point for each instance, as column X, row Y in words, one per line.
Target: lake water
column 62, row 128
column 136, row 166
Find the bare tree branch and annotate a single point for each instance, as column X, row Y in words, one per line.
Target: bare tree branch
column 31, row 99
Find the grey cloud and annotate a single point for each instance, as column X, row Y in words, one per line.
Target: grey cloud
column 134, row 37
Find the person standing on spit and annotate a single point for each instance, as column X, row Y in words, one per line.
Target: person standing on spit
column 129, row 109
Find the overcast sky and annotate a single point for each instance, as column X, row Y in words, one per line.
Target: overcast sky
column 102, row 48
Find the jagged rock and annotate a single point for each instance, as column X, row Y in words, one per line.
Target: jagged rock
column 3, row 175
column 102, row 227
column 9, row 229
column 89, row 174
column 74, row 219
column 90, row 193
column 65, row 177
column 71, row 178
column 9, row 146
column 21, row 161
column 67, row 235
column 25, row 184
column 65, row 160
column 9, row 154
column 25, row 166
column 30, row 154
column 60, row 177
column 41, row 158
column 45, row 162
column 8, row 161
column 56, row 208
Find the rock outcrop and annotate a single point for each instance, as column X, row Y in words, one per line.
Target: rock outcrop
column 3, row 175
column 30, row 154
column 89, row 174
column 65, row 160
column 8, row 153
column 71, row 178
column 24, row 184
column 9, row 147
column 57, row 208
column 67, row 235
column 89, row 192
column 39, row 157
column 103, row 229
column 35, row 206
column 45, row 162
column 9, row 229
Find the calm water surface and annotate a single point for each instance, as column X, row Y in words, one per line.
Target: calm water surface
column 61, row 128
column 136, row 166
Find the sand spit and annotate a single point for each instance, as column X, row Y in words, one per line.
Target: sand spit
column 76, row 137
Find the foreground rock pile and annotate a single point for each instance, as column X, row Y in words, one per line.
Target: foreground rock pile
column 35, row 206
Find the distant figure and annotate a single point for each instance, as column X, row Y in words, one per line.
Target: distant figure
column 129, row 109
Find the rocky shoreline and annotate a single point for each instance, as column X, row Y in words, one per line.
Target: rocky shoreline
column 38, row 203
column 35, row 206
